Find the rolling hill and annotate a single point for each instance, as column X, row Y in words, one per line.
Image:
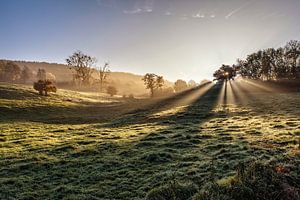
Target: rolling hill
column 126, row 83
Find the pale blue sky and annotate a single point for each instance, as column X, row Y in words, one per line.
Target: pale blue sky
column 186, row 39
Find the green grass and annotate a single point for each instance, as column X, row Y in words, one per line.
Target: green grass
column 74, row 145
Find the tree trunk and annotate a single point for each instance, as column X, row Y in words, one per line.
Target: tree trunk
column 152, row 92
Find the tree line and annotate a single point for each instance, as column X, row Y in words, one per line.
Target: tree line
column 156, row 85
column 11, row 72
column 267, row 65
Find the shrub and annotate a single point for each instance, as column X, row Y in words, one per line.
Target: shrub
column 252, row 182
column 44, row 87
column 257, row 181
column 111, row 90
column 131, row 96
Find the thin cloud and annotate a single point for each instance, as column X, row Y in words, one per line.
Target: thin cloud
column 135, row 11
column 235, row 11
column 145, row 7
column 199, row 15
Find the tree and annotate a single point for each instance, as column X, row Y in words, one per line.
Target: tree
column 270, row 64
column 44, row 86
column 192, row 83
column 11, row 72
column 41, row 75
column 103, row 74
column 26, row 74
column 111, row 90
column 150, row 82
column 180, row 85
column 267, row 67
column 160, row 82
column 225, row 72
column 292, row 49
column 51, row 77
column 280, row 69
column 82, row 65
column 253, row 66
column 154, row 83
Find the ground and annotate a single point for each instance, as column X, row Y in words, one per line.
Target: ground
column 74, row 145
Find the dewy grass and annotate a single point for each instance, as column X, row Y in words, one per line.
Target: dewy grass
column 84, row 146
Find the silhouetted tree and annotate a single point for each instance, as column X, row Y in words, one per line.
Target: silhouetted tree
column 180, row 85
column 154, row 83
column 280, row 66
column 225, row 72
column 267, row 65
column 82, row 65
column 292, row 50
column 44, row 87
column 103, row 74
column 111, row 90
column 272, row 64
column 160, row 82
column 150, row 82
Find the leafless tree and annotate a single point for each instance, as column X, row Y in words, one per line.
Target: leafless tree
column 103, row 73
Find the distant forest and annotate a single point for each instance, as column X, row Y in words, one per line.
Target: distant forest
column 27, row 72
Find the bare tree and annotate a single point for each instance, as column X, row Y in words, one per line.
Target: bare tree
column 103, row 73
column 82, row 64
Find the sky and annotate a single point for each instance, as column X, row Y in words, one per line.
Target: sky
column 179, row 39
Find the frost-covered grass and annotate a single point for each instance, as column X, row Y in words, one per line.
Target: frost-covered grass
column 75, row 145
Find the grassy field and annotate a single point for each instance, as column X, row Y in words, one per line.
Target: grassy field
column 75, row 145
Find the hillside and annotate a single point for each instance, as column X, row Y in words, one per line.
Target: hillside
column 75, row 145
column 126, row 83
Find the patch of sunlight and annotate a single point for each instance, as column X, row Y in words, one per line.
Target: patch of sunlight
column 169, row 112
column 92, row 97
column 231, row 108
column 258, row 131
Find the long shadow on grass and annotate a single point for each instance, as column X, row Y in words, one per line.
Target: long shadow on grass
column 176, row 145
column 145, row 114
column 89, row 112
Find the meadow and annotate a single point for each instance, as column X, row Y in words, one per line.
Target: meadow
column 74, row 145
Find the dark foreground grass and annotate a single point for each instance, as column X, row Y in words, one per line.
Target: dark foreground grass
column 82, row 146
column 252, row 181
